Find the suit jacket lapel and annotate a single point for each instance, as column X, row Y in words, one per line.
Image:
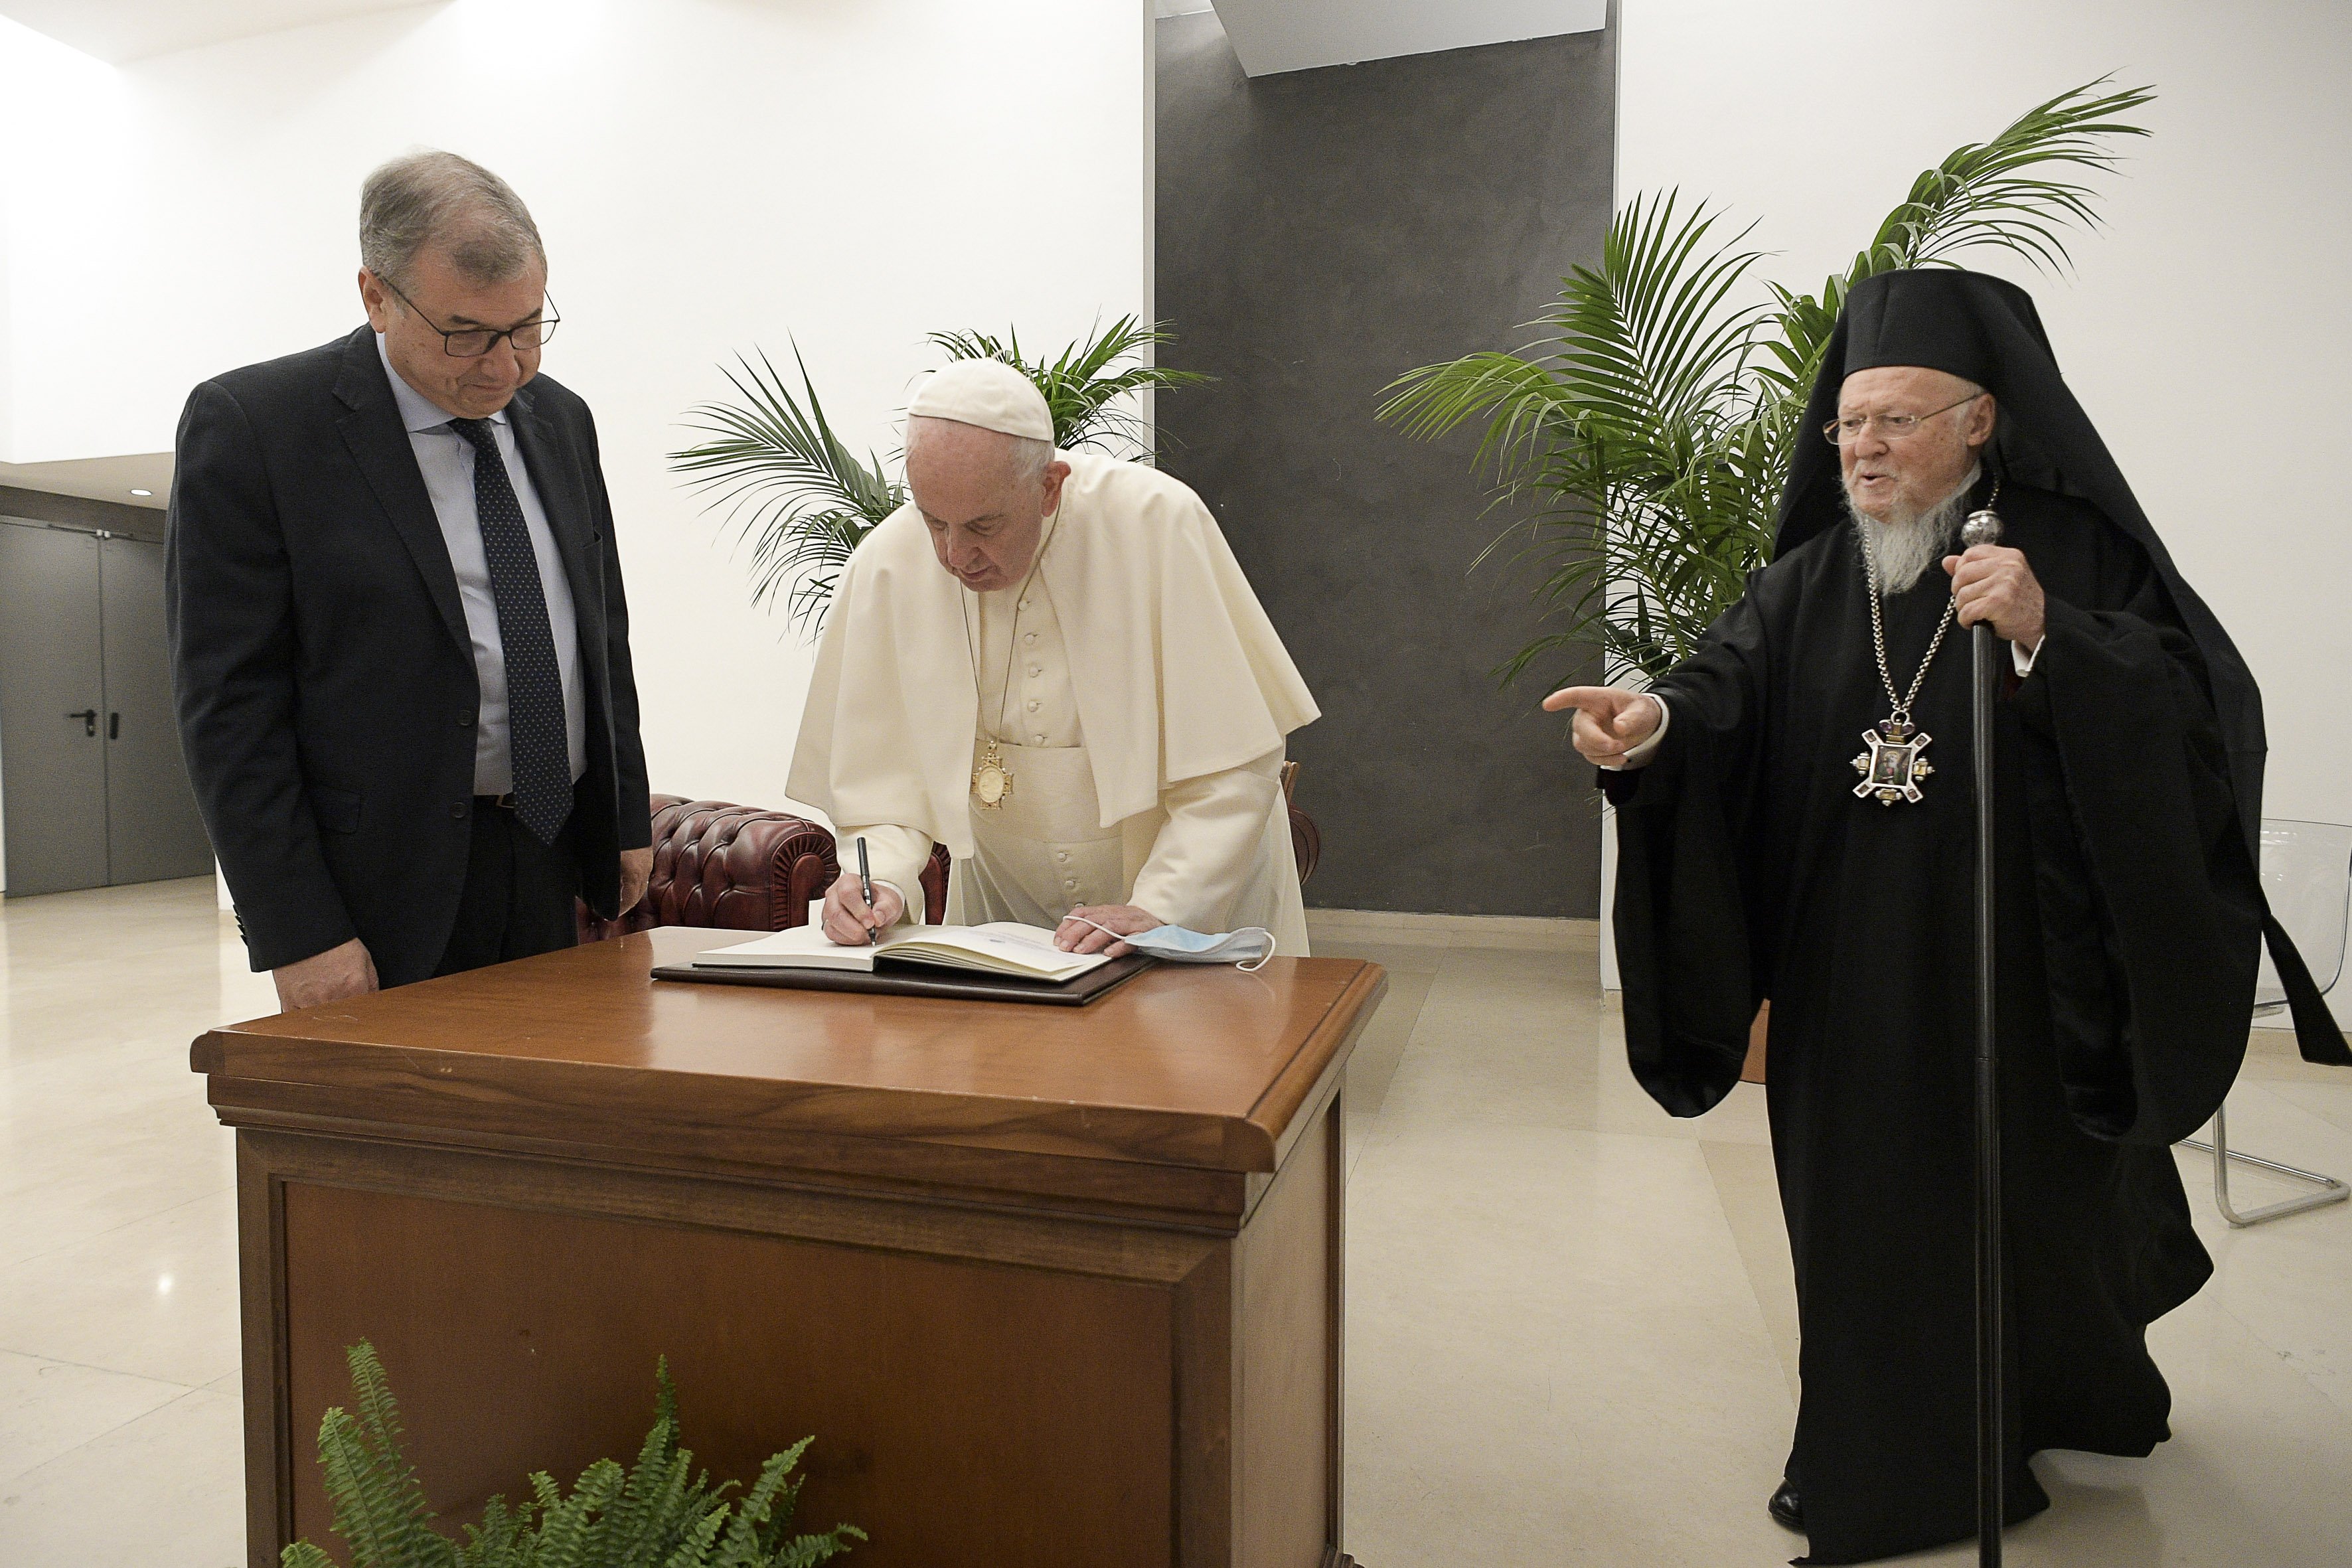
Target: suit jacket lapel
column 564, row 498
column 378, row 441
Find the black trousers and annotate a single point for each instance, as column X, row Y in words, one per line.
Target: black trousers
column 518, row 892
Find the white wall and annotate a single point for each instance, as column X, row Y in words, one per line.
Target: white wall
column 708, row 175
column 2207, row 325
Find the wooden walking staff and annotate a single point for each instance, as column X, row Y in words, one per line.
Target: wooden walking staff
column 1984, row 528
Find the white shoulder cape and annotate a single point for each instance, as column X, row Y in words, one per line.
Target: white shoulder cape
column 1177, row 671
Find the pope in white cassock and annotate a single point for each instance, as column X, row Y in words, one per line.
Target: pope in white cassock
column 1050, row 662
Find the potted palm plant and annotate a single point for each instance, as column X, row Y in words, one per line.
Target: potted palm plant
column 1645, row 437
column 1646, row 434
column 803, row 498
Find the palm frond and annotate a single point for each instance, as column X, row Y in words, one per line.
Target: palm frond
column 1643, row 437
column 2018, row 191
column 804, row 501
column 1092, row 405
column 788, row 485
column 1629, row 350
column 2004, row 191
column 1627, row 422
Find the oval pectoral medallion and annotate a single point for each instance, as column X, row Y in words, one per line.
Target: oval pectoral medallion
column 992, row 781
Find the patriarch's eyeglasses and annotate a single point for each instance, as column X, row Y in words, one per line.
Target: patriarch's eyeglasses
column 1845, row 432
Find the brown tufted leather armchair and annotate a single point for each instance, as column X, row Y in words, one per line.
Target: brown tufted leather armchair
column 1306, row 838
column 738, row 867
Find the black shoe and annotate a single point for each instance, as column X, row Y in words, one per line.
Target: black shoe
column 1784, row 1506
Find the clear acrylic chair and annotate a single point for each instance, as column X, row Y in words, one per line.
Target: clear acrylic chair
column 2307, row 876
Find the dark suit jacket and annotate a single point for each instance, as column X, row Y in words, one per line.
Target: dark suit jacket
column 324, row 675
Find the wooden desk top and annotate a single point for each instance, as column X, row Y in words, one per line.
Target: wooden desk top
column 1188, row 1066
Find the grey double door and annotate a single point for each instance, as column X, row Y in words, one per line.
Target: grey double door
column 93, row 789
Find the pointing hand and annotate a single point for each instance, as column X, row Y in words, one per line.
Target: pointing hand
column 1609, row 722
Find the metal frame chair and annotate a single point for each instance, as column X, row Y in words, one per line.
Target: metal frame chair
column 2331, row 1191
column 2334, row 910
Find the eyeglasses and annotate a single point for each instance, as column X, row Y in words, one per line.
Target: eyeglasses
column 1891, row 427
column 473, row 343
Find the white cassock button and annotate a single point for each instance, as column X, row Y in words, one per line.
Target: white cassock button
column 1030, row 638
column 1064, row 856
column 1023, row 604
column 1033, row 705
column 1037, row 670
column 1070, row 885
column 1036, row 739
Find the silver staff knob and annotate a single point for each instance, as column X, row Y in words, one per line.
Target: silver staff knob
column 1981, row 528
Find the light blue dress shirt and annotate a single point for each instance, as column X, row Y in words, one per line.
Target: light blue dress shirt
column 446, row 458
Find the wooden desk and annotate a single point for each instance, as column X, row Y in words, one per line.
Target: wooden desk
column 1050, row 1285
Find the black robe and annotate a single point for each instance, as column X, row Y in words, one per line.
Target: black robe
column 2128, row 920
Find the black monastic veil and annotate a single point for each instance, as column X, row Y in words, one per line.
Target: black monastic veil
column 2129, row 772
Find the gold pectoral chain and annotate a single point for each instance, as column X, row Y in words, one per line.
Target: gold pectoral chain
column 991, row 776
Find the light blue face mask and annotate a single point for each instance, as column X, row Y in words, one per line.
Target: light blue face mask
column 1246, row 949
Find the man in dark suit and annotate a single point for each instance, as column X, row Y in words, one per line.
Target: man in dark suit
column 398, row 637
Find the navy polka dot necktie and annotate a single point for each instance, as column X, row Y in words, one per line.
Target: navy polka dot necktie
column 536, row 737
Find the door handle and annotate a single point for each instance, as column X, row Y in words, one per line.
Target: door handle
column 89, row 717
column 114, row 726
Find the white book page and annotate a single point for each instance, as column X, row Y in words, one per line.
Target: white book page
column 797, row 947
column 1027, row 949
column 1000, row 946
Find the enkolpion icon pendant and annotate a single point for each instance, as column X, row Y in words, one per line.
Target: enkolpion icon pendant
column 1890, row 770
column 992, row 781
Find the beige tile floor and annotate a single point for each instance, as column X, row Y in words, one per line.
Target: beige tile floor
column 1571, row 1338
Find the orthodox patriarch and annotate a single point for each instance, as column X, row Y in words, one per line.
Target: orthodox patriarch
column 1794, row 822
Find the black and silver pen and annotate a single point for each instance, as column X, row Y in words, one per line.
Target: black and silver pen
column 866, row 886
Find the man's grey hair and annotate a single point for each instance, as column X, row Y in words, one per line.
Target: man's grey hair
column 438, row 199
column 1031, row 458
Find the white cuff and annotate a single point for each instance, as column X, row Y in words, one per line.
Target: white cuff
column 2024, row 659
column 1639, row 755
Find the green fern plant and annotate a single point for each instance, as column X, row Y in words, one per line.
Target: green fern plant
column 805, row 501
column 656, row 1514
column 1648, row 432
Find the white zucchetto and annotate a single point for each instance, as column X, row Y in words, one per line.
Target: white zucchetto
column 987, row 392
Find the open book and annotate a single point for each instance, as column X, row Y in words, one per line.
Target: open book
column 1001, row 947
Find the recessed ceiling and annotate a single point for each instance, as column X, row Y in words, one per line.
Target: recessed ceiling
column 97, row 478
column 121, row 30
column 1271, row 36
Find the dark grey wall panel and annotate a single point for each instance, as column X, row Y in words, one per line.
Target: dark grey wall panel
column 1319, row 233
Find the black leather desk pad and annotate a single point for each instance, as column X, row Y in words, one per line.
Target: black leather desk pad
column 905, row 978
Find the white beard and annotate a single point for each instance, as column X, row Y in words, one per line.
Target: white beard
column 1900, row 551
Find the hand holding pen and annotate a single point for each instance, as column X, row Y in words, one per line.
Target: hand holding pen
column 857, row 909
column 866, row 886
